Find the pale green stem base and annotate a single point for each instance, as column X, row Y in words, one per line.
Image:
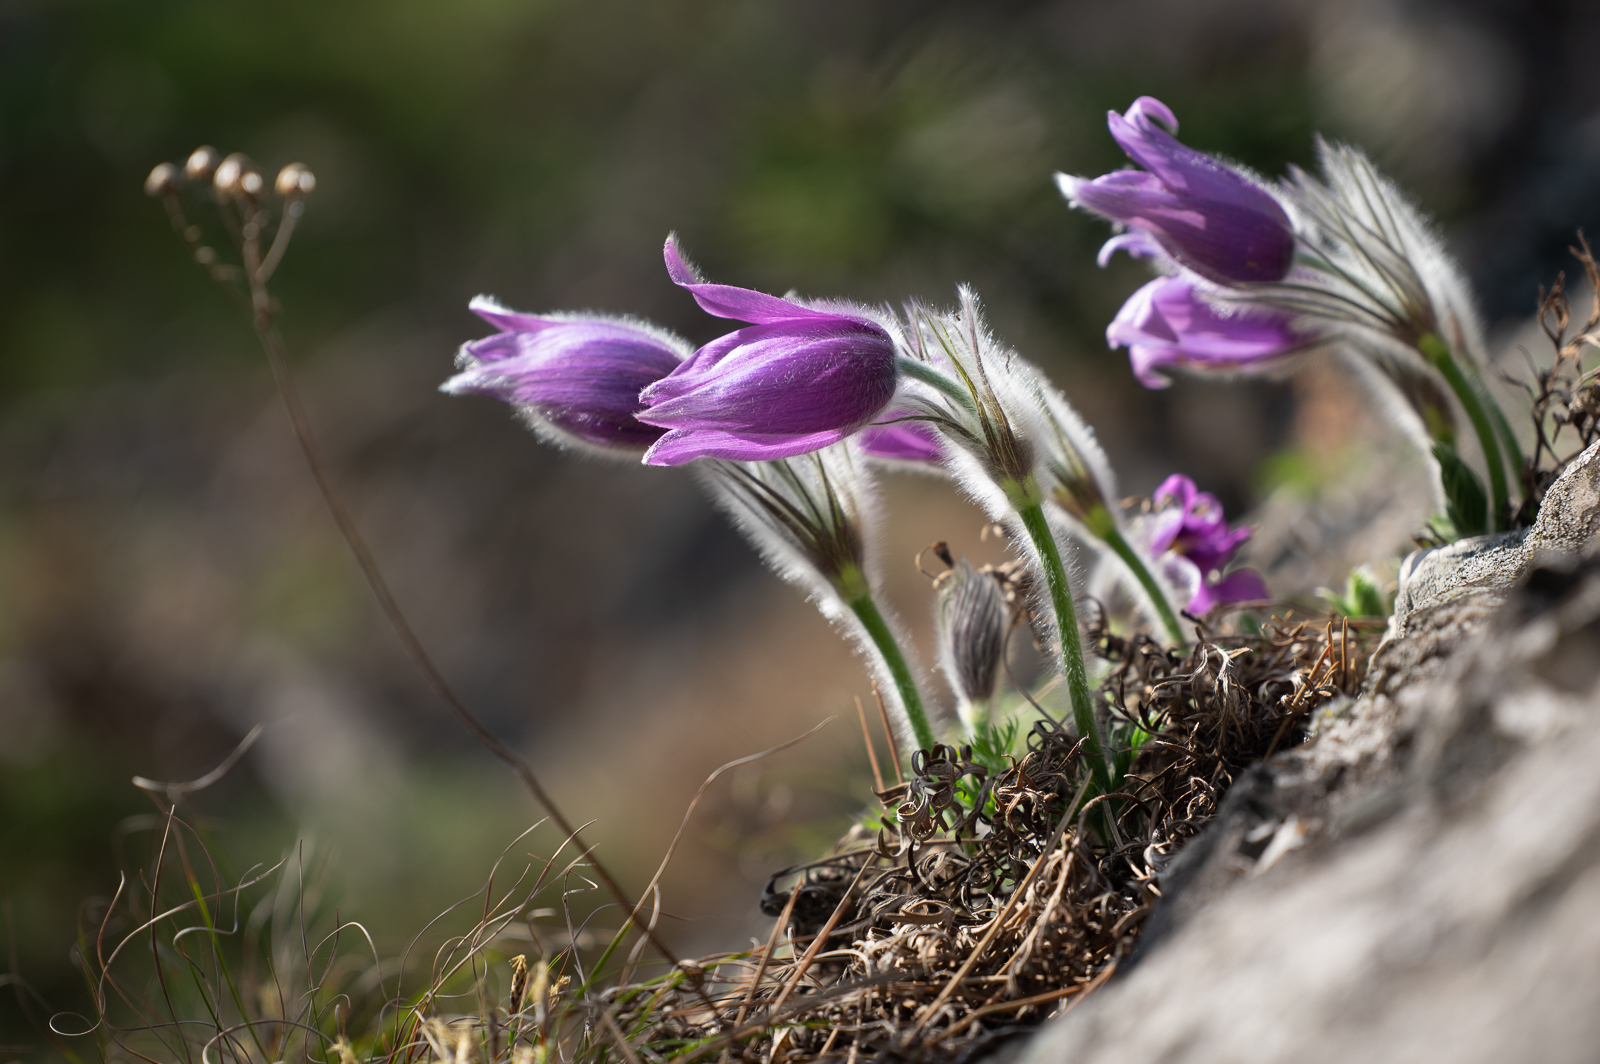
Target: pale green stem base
column 938, row 379
column 1114, row 539
column 878, row 631
column 1438, row 353
column 1072, row 667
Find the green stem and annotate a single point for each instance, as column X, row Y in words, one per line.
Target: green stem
column 1077, row 677
column 1438, row 353
column 1502, row 426
column 945, row 383
column 1108, row 531
column 883, row 639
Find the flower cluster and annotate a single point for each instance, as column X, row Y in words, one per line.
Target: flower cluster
column 1255, row 273
column 785, row 414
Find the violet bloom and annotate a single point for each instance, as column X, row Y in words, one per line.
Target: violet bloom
column 1167, row 323
column 797, row 379
column 1207, row 216
column 577, row 378
column 1188, row 535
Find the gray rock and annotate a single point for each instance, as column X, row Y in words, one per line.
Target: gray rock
column 1420, row 881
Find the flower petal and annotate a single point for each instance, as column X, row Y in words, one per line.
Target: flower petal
column 794, row 377
column 1166, row 322
column 729, row 301
column 491, row 311
column 1244, row 585
column 685, row 445
column 1138, row 244
column 577, row 376
column 902, row 441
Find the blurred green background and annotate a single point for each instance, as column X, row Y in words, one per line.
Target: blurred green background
column 168, row 576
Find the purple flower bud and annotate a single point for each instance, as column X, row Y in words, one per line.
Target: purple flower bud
column 578, row 378
column 1189, row 535
column 1167, row 323
column 1208, row 216
column 797, row 379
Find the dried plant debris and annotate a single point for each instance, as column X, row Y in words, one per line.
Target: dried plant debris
column 989, row 901
column 1565, row 398
column 979, row 902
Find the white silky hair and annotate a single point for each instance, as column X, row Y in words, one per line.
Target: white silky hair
column 1380, row 264
column 1378, row 277
column 780, row 536
column 971, row 619
column 1008, row 385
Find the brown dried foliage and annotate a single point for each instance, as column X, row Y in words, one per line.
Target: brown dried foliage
column 966, row 921
column 1565, row 399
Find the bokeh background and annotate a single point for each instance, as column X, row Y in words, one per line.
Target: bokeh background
column 169, row 577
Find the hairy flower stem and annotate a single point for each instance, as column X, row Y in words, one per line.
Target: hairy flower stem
column 878, row 630
column 1100, row 524
column 1077, row 677
column 940, row 380
column 1438, row 354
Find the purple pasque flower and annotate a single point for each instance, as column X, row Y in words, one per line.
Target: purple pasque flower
column 1207, row 216
column 576, row 377
column 1189, row 537
column 796, row 379
column 1167, row 323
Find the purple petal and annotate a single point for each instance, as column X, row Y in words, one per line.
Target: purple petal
column 1176, row 489
column 1167, row 323
column 728, row 301
column 1222, row 240
column 793, row 377
column 1147, row 109
column 1245, row 585
column 579, row 375
column 685, row 445
column 1183, row 574
column 1137, row 244
column 902, row 441
column 1147, row 359
column 694, row 371
column 509, row 320
column 1208, row 216
column 1212, row 552
column 1160, row 529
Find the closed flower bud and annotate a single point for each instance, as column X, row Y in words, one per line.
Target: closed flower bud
column 295, row 180
column 797, row 379
column 164, row 180
column 202, row 163
column 972, row 619
column 577, row 378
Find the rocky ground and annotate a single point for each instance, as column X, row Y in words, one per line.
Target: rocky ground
column 1421, row 881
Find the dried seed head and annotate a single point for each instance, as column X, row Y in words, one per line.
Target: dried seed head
column 237, row 175
column 295, row 180
column 972, row 620
column 202, row 163
column 164, row 180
